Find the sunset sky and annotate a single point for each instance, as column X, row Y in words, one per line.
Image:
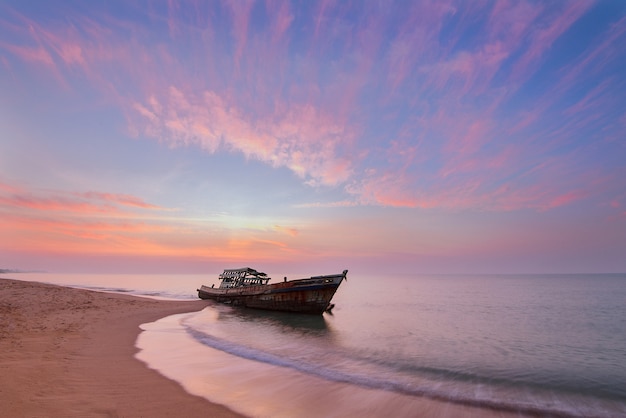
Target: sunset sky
column 408, row 136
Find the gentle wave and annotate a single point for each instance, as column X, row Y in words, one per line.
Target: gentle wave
column 479, row 397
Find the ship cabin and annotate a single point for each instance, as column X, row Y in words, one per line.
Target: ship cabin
column 242, row 277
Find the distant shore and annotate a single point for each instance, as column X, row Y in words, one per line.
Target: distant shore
column 70, row 352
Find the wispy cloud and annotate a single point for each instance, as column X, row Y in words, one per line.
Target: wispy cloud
column 84, row 202
column 287, row 230
column 546, row 28
column 339, row 204
column 420, row 105
column 121, row 199
column 303, row 138
column 9, row 189
column 45, row 220
column 54, row 204
column 465, row 99
column 113, row 223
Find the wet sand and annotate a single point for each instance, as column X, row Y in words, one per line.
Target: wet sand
column 70, row 352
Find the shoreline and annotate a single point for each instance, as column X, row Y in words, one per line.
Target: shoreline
column 71, row 352
column 66, row 351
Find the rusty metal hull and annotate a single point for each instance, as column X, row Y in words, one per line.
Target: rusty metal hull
column 310, row 296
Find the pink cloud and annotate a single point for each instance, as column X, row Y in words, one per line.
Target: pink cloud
column 596, row 57
column 386, row 189
column 32, row 54
column 53, row 204
column 338, row 204
column 289, row 231
column 416, row 41
column 302, row 138
column 544, row 34
column 86, row 202
column 78, row 235
column 74, row 222
column 240, row 12
column 475, row 188
column 173, row 8
column 39, row 46
column 96, row 223
column 472, row 156
column 65, row 45
column 80, row 226
column 281, row 16
column 321, row 15
column 566, row 198
column 593, row 100
column 8, row 188
column 313, row 128
column 465, row 135
column 308, row 137
column 122, row 199
column 466, row 72
column 465, row 140
column 51, row 233
column 511, row 21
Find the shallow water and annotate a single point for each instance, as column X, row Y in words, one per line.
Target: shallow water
column 544, row 345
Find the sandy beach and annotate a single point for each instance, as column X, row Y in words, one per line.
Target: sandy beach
column 67, row 352
column 70, row 352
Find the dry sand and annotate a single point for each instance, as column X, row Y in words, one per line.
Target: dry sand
column 70, row 353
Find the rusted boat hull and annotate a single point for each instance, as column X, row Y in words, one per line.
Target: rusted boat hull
column 310, row 296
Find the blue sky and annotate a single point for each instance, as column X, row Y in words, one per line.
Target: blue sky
column 445, row 137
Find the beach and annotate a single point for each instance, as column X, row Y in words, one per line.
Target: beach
column 70, row 352
column 470, row 346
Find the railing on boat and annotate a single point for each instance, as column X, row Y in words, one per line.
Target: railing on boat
column 242, row 277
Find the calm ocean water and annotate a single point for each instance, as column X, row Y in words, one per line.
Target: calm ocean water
column 547, row 345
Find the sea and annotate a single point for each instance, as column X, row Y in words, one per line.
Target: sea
column 396, row 345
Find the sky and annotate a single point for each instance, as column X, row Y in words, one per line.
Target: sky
column 381, row 137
